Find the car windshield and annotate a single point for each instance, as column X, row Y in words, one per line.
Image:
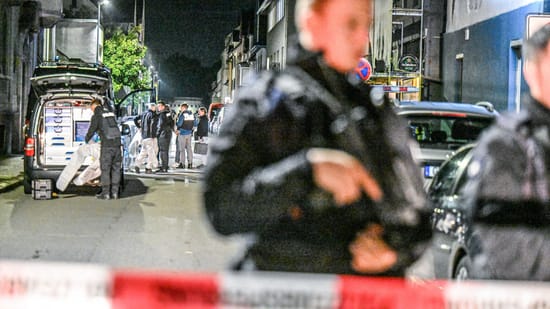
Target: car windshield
column 443, row 132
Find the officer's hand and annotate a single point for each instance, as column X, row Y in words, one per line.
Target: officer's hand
column 370, row 254
column 342, row 175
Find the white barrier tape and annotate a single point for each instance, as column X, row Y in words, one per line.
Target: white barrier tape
column 278, row 290
column 54, row 285
column 498, row 295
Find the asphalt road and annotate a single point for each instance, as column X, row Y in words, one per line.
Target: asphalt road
column 157, row 224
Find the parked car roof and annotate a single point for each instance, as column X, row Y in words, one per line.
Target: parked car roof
column 478, row 109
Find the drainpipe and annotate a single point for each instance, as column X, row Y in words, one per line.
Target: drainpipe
column 48, row 47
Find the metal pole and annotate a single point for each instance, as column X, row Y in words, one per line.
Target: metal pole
column 143, row 22
column 97, row 32
column 421, row 58
column 421, row 36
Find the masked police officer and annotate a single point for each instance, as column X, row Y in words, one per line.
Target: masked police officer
column 104, row 124
column 317, row 167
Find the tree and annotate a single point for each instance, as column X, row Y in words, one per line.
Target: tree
column 123, row 55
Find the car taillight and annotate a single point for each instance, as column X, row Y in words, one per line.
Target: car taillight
column 29, row 147
column 449, row 114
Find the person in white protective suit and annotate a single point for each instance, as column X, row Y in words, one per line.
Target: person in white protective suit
column 84, row 154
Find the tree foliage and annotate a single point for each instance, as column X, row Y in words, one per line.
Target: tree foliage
column 123, row 55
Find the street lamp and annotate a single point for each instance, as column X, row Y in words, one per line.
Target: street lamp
column 99, row 4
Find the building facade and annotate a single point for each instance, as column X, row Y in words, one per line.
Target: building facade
column 22, row 27
column 401, row 29
column 482, row 50
column 28, row 37
column 280, row 30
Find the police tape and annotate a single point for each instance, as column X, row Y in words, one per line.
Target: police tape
column 56, row 285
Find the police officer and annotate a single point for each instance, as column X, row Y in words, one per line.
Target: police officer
column 103, row 123
column 165, row 127
column 317, row 167
column 508, row 188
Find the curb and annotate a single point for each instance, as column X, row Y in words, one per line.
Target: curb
column 9, row 184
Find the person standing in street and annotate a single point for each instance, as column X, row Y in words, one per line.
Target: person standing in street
column 103, row 123
column 201, row 137
column 176, row 115
column 202, row 125
column 508, row 187
column 148, row 123
column 184, row 126
column 165, row 128
column 314, row 164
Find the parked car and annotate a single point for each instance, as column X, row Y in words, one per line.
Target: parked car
column 440, row 128
column 217, row 112
column 58, row 117
column 451, row 233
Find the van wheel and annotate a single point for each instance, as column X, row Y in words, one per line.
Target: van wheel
column 27, row 186
column 463, row 269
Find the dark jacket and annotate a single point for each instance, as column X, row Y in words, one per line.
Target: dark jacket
column 165, row 125
column 258, row 179
column 148, row 124
column 202, row 127
column 104, row 123
column 508, row 195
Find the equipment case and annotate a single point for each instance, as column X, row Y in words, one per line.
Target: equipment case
column 41, row 189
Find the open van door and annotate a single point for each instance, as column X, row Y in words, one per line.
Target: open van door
column 134, row 103
column 130, row 107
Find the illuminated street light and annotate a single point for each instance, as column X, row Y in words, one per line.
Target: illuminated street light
column 99, row 4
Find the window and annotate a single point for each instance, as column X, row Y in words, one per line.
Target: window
column 447, row 175
column 276, row 13
column 283, row 57
column 443, row 132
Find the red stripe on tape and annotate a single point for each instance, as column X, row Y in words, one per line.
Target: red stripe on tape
column 370, row 292
column 164, row 290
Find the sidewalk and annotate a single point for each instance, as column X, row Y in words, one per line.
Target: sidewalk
column 11, row 172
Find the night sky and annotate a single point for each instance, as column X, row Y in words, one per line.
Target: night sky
column 194, row 28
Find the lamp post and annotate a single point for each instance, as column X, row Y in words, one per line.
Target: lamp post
column 99, row 4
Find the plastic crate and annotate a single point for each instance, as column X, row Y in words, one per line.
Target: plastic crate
column 41, row 189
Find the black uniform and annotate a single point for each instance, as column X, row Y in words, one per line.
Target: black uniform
column 148, row 124
column 165, row 128
column 509, row 194
column 104, row 123
column 258, row 176
column 202, row 127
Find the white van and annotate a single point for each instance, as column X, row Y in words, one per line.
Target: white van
column 59, row 115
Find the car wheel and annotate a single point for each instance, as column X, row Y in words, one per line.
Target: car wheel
column 463, row 269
